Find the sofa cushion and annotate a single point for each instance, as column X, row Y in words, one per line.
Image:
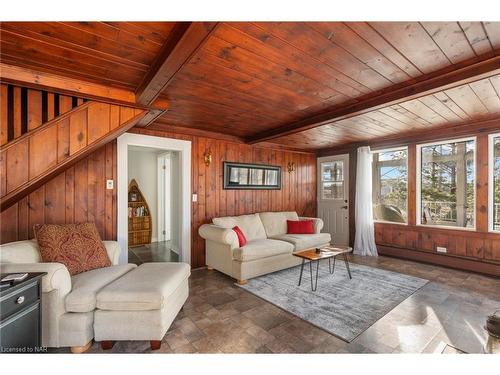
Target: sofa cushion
column 148, row 287
column 305, row 241
column 251, row 225
column 86, row 285
column 78, row 246
column 258, row 249
column 275, row 222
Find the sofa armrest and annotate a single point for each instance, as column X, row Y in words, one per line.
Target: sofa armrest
column 218, row 234
column 113, row 250
column 57, row 278
column 318, row 223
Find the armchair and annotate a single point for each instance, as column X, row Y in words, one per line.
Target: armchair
column 60, row 327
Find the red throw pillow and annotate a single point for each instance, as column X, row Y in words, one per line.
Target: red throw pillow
column 300, row 227
column 242, row 240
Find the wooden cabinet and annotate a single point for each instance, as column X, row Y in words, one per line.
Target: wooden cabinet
column 139, row 217
column 20, row 315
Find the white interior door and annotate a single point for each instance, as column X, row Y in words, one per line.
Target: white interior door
column 333, row 196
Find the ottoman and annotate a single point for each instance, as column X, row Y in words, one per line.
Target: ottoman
column 142, row 304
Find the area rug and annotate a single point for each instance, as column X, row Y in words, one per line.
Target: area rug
column 343, row 307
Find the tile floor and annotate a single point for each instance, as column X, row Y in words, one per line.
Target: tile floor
column 154, row 252
column 219, row 317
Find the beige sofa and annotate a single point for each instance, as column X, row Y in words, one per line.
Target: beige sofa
column 268, row 247
column 120, row 302
column 68, row 302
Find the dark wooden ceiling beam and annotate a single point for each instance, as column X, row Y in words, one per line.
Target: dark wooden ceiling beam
column 480, row 70
column 183, row 42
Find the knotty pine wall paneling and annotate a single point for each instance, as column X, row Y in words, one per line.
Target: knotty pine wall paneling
column 298, row 190
column 78, row 194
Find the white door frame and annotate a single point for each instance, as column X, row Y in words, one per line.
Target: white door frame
column 184, row 148
column 164, row 196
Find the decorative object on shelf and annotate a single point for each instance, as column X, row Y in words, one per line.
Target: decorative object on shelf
column 251, row 176
column 207, row 158
column 290, row 167
column 139, row 217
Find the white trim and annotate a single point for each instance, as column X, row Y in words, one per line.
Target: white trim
column 407, row 172
column 391, row 222
column 164, row 196
column 491, row 164
column 184, row 148
column 418, row 207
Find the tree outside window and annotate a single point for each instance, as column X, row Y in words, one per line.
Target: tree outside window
column 390, row 185
column 447, row 176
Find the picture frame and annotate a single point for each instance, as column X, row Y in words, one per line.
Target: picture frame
column 244, row 176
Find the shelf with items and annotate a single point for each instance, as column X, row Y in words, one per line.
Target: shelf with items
column 139, row 217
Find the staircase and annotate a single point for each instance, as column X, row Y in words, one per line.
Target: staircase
column 42, row 134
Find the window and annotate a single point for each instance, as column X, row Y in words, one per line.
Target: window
column 494, row 174
column 332, row 180
column 446, row 192
column 390, row 185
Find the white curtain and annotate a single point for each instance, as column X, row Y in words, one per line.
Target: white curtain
column 364, row 242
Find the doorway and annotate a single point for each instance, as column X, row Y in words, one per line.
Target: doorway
column 154, row 212
column 333, row 196
column 160, row 170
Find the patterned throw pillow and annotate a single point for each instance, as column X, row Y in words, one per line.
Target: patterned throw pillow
column 77, row 246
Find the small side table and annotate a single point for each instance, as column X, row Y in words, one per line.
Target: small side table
column 326, row 252
column 21, row 314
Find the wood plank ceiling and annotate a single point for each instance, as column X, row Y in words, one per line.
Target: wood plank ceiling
column 249, row 78
column 111, row 53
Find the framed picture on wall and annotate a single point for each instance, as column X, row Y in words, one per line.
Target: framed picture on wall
column 251, row 176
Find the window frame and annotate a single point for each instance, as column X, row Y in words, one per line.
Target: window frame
column 376, row 151
column 418, row 179
column 491, row 199
column 321, row 182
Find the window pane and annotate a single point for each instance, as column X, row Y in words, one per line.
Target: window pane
column 447, row 184
column 333, row 190
column 332, row 171
column 390, row 176
column 496, row 183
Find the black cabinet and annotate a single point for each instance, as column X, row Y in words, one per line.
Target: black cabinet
column 20, row 315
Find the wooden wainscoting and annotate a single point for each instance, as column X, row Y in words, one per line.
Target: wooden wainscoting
column 475, row 251
column 298, row 190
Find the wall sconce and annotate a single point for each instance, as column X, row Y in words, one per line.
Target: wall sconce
column 207, row 158
column 290, row 167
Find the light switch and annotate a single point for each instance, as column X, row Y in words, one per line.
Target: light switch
column 195, row 197
column 109, row 184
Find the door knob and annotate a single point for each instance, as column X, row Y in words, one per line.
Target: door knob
column 345, row 207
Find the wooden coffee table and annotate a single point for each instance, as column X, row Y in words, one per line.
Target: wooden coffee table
column 326, row 252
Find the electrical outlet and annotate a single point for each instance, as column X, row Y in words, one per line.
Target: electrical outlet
column 440, row 249
column 195, row 197
column 109, row 184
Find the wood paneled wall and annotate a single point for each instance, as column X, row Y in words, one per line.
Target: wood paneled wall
column 298, row 190
column 76, row 195
column 42, row 149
